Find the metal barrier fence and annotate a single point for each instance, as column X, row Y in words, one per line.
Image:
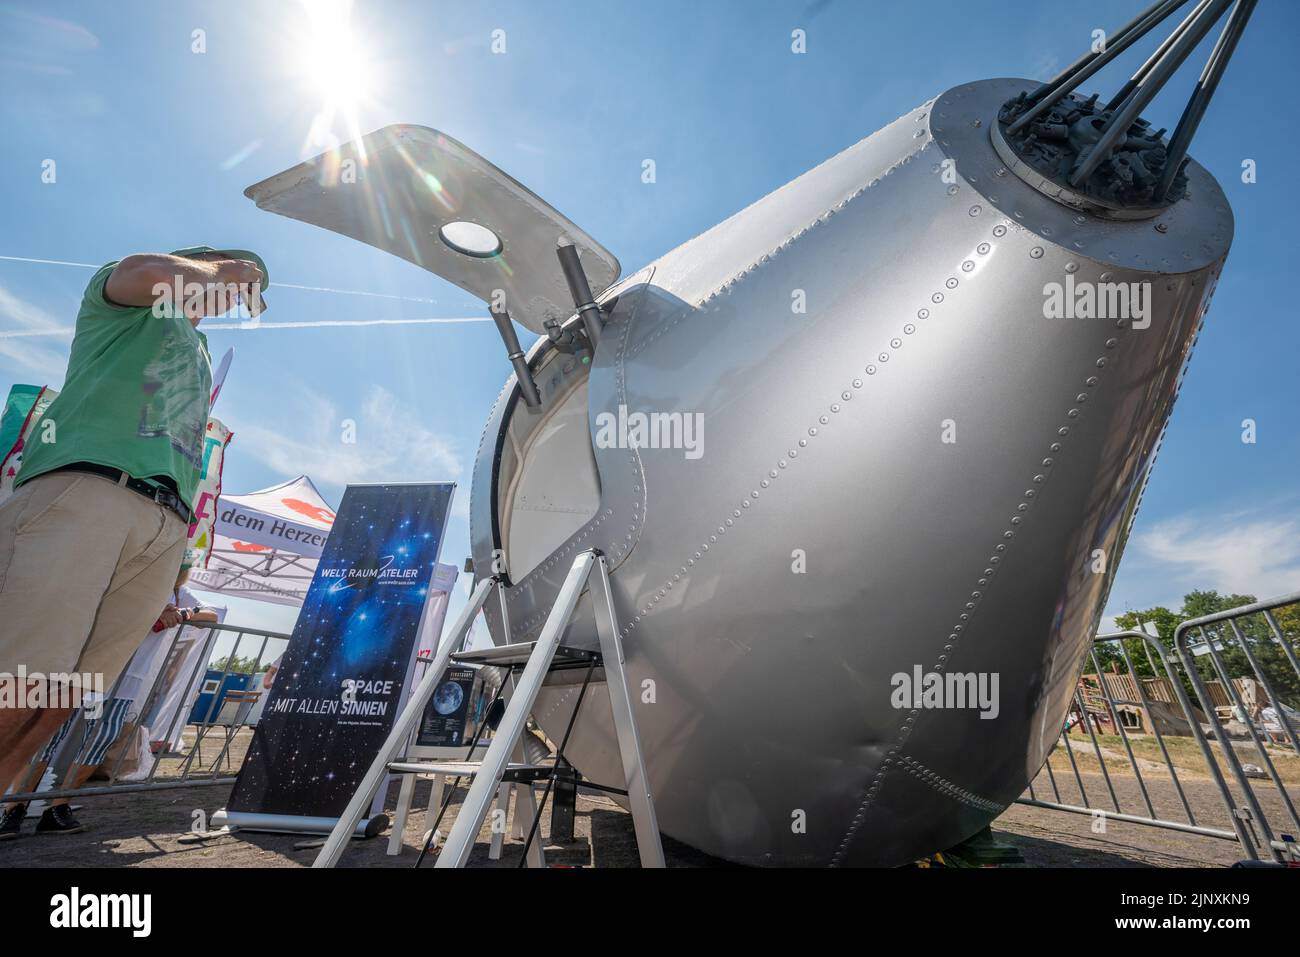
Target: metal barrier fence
column 166, row 772
column 1242, row 668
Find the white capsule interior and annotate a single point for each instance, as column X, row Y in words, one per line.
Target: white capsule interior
column 548, row 486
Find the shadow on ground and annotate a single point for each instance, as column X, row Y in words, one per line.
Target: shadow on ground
column 144, row 829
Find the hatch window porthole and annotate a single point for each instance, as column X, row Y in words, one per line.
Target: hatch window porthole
column 470, row 239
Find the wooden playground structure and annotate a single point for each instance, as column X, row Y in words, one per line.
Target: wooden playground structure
column 1155, row 706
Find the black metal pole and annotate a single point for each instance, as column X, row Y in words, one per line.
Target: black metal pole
column 1069, row 79
column 1205, row 87
column 580, row 291
column 1154, row 58
column 516, row 356
column 1145, row 91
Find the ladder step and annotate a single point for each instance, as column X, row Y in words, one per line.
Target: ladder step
column 516, row 656
column 516, row 772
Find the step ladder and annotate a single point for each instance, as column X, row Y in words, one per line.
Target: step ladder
column 521, row 774
column 530, row 663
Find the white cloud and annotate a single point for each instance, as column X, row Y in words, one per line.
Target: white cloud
column 460, row 503
column 41, row 358
column 1108, row 625
column 1237, row 553
column 392, row 445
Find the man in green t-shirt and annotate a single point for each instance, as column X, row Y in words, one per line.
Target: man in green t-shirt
column 93, row 535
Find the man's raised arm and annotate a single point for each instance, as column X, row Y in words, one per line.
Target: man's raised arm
column 144, row 278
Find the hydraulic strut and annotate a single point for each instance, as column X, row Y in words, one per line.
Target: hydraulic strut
column 581, row 292
column 516, row 355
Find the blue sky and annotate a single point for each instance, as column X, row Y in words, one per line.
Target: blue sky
column 154, row 144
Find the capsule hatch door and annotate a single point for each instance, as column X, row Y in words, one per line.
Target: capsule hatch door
column 420, row 195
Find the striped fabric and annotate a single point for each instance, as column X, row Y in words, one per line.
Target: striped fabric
column 97, row 738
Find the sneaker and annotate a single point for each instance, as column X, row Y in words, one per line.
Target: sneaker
column 12, row 821
column 58, row 819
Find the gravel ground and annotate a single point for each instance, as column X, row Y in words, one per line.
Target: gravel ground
column 144, row 829
column 114, row 838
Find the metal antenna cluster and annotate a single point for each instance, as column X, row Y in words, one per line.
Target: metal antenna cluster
column 1109, row 153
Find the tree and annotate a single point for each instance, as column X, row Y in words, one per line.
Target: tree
column 1254, row 630
column 1163, row 621
column 238, row 665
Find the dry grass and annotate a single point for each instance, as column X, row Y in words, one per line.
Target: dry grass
column 1184, row 752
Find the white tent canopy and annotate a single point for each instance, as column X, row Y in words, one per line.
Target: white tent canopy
column 266, row 543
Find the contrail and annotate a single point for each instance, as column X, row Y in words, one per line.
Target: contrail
column 325, row 323
column 249, row 325
column 48, row 262
column 349, row 292
column 35, row 333
column 274, row 285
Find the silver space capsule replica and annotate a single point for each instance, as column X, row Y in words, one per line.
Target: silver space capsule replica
column 929, row 468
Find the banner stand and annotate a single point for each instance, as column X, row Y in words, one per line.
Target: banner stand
column 349, row 664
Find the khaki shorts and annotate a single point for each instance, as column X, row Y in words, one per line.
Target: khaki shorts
column 86, row 566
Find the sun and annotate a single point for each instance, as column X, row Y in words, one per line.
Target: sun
column 331, row 60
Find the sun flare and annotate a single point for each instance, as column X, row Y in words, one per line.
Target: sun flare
column 334, row 65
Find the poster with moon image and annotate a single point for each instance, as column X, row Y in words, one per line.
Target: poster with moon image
column 350, row 660
column 444, row 724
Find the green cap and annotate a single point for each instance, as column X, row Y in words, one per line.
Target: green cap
column 246, row 254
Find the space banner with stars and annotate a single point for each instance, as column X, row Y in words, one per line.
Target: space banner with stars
column 344, row 676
